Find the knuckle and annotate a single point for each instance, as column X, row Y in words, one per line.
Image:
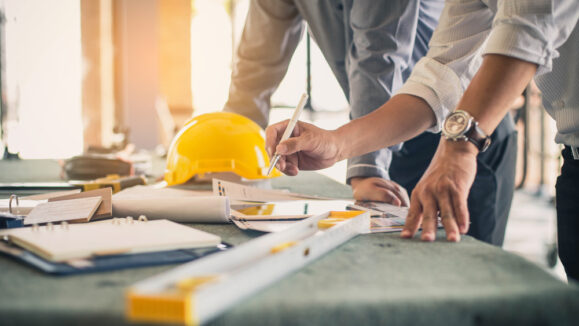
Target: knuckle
column 415, row 193
column 442, row 186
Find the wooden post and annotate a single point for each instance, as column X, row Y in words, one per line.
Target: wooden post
column 97, row 81
column 175, row 58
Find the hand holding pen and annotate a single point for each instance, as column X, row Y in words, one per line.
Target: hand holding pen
column 300, row 145
column 289, row 128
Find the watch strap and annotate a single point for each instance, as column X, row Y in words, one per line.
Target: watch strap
column 478, row 137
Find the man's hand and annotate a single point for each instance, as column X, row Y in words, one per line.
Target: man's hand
column 443, row 189
column 378, row 189
column 309, row 147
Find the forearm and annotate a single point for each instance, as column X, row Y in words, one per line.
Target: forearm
column 495, row 86
column 401, row 118
column 493, row 89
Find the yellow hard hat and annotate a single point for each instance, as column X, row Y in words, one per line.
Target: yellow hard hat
column 218, row 142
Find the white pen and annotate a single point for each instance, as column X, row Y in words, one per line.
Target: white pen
column 290, row 128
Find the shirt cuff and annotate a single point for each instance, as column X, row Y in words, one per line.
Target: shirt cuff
column 365, row 171
column 436, row 84
column 373, row 164
column 521, row 43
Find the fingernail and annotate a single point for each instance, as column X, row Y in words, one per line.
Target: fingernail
column 453, row 238
column 405, row 234
column 427, row 237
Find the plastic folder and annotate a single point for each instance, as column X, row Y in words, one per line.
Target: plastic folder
column 111, row 262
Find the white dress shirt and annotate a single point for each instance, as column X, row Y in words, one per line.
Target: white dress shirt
column 531, row 30
column 560, row 90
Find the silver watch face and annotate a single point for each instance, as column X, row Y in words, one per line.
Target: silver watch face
column 456, row 124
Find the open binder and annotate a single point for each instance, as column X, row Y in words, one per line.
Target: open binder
column 105, row 245
column 112, row 237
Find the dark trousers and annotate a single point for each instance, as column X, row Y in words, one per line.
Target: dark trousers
column 567, row 202
column 490, row 197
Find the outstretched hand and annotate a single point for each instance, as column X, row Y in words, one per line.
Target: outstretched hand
column 308, row 148
column 443, row 189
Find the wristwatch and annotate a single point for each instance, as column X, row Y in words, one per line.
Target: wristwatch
column 461, row 126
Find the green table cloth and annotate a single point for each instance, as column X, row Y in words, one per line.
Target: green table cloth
column 376, row 279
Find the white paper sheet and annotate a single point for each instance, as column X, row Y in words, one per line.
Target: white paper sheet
column 378, row 225
column 381, row 209
column 79, row 209
column 263, row 226
column 22, row 208
column 385, row 217
column 173, row 204
column 24, row 205
column 238, row 192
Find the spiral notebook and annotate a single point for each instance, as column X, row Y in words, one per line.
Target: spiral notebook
column 67, row 242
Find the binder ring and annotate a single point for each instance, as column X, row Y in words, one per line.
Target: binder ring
column 12, row 197
column 142, row 218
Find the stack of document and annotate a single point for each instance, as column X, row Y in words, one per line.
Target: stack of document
column 195, row 206
column 276, row 210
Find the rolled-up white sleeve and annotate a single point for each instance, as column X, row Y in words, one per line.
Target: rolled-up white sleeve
column 529, row 30
column 532, row 30
column 441, row 77
column 436, row 84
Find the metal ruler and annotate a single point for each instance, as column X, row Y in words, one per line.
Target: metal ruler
column 197, row 292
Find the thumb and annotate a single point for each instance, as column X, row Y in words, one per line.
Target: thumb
column 273, row 134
